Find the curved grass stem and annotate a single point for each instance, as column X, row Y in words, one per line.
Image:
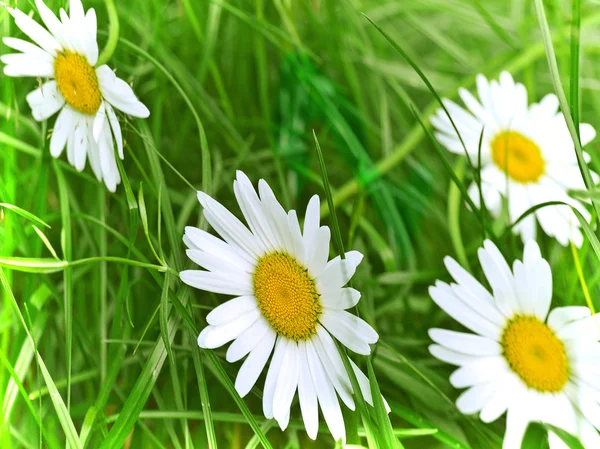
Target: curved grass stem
column 113, row 33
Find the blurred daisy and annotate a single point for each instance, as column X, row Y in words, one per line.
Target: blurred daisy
column 534, row 365
column 84, row 94
column 527, row 154
column 290, row 301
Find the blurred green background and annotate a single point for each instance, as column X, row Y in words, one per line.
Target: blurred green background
column 261, row 75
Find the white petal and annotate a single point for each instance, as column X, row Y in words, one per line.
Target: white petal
column 45, row 101
column 466, row 314
column 365, row 386
column 500, row 400
column 65, row 123
column 277, row 217
column 587, row 328
column 25, row 64
column 49, row 19
column 500, row 277
column 230, row 310
column 466, row 343
column 475, row 398
column 561, row 316
column 339, row 271
column 29, row 49
column 89, row 40
column 587, row 133
column 516, row 423
column 344, row 298
column 215, row 264
column 217, row 336
column 218, row 283
column 76, row 10
column 248, row 340
column 272, row 374
column 100, row 120
column 71, row 140
column 312, row 220
column 254, row 364
column 531, row 253
column 287, row 382
column 296, row 236
column 589, row 435
column 108, row 162
column 464, row 278
column 326, row 395
column 94, row 153
column 119, row 94
column 351, row 331
column 307, row 394
column 230, row 228
column 254, row 213
column 317, row 251
column 479, row 372
column 334, row 366
column 204, row 241
column 35, row 31
column 451, row 356
column 115, row 127
column 80, row 141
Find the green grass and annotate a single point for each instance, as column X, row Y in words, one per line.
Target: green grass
column 98, row 335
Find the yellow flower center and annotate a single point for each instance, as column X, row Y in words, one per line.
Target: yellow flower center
column 535, row 354
column 518, row 156
column 77, row 82
column 287, row 295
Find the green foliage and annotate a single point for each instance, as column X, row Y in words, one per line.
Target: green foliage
column 97, row 333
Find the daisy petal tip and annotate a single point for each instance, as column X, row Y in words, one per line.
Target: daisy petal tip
column 312, row 433
column 185, row 276
column 144, row 112
column 433, row 334
column 242, row 391
column 203, row 198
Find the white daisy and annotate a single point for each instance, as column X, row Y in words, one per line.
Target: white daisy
column 527, row 154
column 534, row 365
column 84, row 94
column 288, row 297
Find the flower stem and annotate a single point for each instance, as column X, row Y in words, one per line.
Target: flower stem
column 113, row 33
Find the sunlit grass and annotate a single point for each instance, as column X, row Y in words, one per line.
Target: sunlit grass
column 98, row 335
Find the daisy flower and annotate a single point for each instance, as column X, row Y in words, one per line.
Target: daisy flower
column 289, row 301
column 524, row 359
column 85, row 95
column 527, row 155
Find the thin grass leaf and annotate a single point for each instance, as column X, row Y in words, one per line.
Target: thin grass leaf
column 67, row 249
column 386, row 432
column 144, row 218
column 448, row 167
column 206, row 165
column 164, row 316
column 204, row 398
column 567, row 438
column 337, row 236
column 33, row 265
column 221, row 375
column 25, row 214
column 61, row 409
column 581, row 276
column 416, row 420
column 562, row 99
column 575, row 60
column 46, row 242
column 454, row 207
